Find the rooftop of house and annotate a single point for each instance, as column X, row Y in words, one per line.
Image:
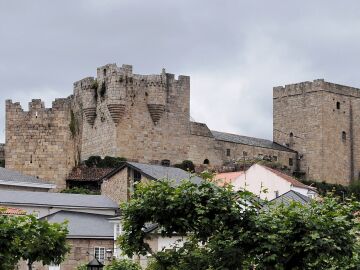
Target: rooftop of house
column 226, row 178
column 11, row 211
column 234, row 138
column 157, row 172
column 56, row 199
column 294, row 182
column 84, row 225
column 291, row 196
column 84, row 173
column 14, row 178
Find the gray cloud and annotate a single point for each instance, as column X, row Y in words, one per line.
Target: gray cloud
column 234, row 51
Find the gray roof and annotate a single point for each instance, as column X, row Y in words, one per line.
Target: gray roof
column 14, row 178
column 234, row 138
column 84, row 225
column 158, row 172
column 291, row 196
column 55, row 199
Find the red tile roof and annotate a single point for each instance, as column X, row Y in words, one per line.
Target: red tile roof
column 84, row 173
column 288, row 178
column 11, row 211
column 227, row 178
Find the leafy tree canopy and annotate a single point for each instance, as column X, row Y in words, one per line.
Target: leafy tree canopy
column 228, row 230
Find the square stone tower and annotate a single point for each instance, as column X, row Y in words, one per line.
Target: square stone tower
column 320, row 120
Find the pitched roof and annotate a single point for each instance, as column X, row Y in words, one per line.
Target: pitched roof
column 55, row 199
column 84, row 173
column 291, row 196
column 14, row 178
column 157, row 172
column 288, row 178
column 11, row 211
column 84, row 225
column 234, row 138
column 227, row 178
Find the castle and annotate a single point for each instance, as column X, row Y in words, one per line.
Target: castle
column 146, row 118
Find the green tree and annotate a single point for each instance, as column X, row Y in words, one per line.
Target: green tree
column 228, row 230
column 25, row 237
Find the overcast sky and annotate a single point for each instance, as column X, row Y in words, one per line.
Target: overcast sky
column 234, row 51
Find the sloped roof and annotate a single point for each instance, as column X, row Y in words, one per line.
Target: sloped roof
column 234, row 138
column 84, row 173
column 227, row 178
column 55, row 199
column 291, row 196
column 84, row 225
column 11, row 211
column 288, row 178
column 14, row 178
column 157, row 172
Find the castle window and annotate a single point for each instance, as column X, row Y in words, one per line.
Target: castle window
column 104, row 72
column 338, row 105
column 206, row 161
column 291, row 162
column 343, row 136
column 228, row 152
column 165, row 162
column 244, row 153
column 275, row 158
column 291, row 134
column 30, row 158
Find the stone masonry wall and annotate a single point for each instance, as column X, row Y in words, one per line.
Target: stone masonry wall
column 82, row 252
column 38, row 141
column 311, row 118
column 117, row 186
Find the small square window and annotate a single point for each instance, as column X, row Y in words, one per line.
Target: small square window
column 275, row 158
column 228, row 152
column 245, row 153
column 291, row 162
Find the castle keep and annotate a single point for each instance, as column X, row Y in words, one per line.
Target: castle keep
column 146, row 118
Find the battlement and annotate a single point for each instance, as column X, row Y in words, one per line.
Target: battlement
column 37, row 105
column 314, row 86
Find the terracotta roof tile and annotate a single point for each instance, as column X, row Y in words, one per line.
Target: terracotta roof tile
column 227, row 178
column 83, row 173
column 11, row 211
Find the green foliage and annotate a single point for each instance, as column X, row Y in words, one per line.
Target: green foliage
column 207, row 175
column 228, row 230
column 123, row 264
column 95, row 85
column 80, row 190
column 353, row 190
column 186, row 165
column 28, row 238
column 107, row 162
column 82, row 267
column 73, row 124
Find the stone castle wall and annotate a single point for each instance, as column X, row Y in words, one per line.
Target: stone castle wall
column 39, row 141
column 145, row 118
column 317, row 119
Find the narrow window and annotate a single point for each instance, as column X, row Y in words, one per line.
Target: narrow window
column 30, row 158
column 343, row 136
column 244, row 153
column 291, row 162
column 291, row 134
column 206, row 161
column 104, row 72
column 99, row 253
column 338, row 105
column 228, row 152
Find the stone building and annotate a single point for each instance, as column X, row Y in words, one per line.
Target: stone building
column 144, row 118
column 320, row 120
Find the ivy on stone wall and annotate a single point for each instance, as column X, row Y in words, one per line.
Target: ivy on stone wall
column 107, row 162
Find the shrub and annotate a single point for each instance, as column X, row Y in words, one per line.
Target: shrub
column 123, row 264
column 186, row 165
column 80, row 190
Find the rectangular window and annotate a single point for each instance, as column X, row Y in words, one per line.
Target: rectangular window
column 99, row 253
column 275, row 158
column 137, row 176
column 244, row 153
column 228, row 152
column 291, row 162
